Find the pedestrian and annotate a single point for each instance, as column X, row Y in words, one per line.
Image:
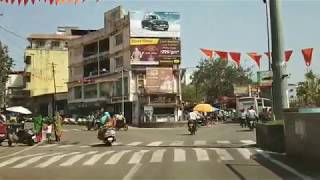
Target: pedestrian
column 243, row 118
column 38, row 124
column 48, row 129
column 58, row 126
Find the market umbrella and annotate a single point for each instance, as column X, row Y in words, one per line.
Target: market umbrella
column 204, row 108
column 19, row 109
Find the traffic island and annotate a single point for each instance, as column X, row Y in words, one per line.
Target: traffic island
column 270, row 136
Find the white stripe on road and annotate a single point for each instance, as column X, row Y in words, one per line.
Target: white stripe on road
column 95, row 158
column 132, row 171
column 65, row 146
column 86, row 146
column 137, row 156
column 76, row 158
column 134, row 143
column 202, row 154
column 54, row 159
column 33, row 160
column 15, row 159
column 179, row 155
column 76, row 130
column 117, row 144
column 223, row 142
column 157, row 156
column 244, row 152
column 176, row 143
column 223, row 154
column 248, row 142
column 199, row 143
column 116, row 157
column 48, row 145
column 156, row 143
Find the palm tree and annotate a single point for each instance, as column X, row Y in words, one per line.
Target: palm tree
column 309, row 91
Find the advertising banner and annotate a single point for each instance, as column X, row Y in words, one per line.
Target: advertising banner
column 241, row 90
column 159, row 80
column 151, row 51
column 264, row 78
column 154, row 24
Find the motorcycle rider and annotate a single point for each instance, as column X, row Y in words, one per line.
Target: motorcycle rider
column 251, row 115
column 193, row 119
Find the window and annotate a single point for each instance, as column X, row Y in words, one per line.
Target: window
column 55, row 44
column 104, row 65
column 259, row 101
column 118, row 39
column 28, row 60
column 267, row 103
column 90, row 91
column 118, row 87
column 78, row 92
column 119, row 61
column 40, row 44
column 105, row 89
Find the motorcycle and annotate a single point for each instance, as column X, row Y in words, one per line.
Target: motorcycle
column 17, row 134
column 4, row 133
column 192, row 127
column 251, row 124
column 107, row 135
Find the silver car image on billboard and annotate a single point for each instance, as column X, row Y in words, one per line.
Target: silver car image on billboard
column 154, row 24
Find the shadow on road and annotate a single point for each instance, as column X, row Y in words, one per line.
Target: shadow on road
column 184, row 134
column 245, row 130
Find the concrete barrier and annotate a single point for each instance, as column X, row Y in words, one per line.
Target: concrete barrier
column 302, row 132
column 163, row 124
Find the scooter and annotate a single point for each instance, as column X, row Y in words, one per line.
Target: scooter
column 107, row 135
column 192, row 127
column 17, row 134
column 251, row 124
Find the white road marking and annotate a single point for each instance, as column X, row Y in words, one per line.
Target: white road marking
column 137, row 156
column 132, row 171
column 176, row 143
column 95, row 158
column 223, row 154
column 223, row 142
column 202, row 154
column 157, row 156
column 86, row 146
column 15, row 159
column 48, row 145
column 248, row 142
column 244, row 152
column 76, row 130
column 156, row 143
column 284, row 166
column 114, row 159
column 54, row 159
column 199, row 143
column 179, row 155
column 76, row 158
column 65, row 146
column 33, row 160
column 23, row 150
column 117, row 143
column 134, row 143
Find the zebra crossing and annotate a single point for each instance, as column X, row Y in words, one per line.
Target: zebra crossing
column 197, row 143
column 130, row 157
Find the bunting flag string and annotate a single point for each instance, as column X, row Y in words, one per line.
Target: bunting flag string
column 207, row 52
column 51, row 2
column 235, row 56
column 256, row 57
column 307, row 54
column 222, row 54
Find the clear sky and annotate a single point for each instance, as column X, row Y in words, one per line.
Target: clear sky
column 227, row 25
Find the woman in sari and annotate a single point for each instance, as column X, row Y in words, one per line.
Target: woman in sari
column 58, row 126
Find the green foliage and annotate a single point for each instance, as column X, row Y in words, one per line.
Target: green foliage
column 214, row 79
column 189, row 93
column 308, row 92
column 6, row 64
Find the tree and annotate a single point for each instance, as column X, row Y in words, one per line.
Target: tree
column 214, row 79
column 308, row 92
column 189, row 93
column 6, row 64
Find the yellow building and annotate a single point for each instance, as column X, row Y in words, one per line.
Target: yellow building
column 46, row 66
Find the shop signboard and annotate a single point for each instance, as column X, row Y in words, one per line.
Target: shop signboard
column 154, row 24
column 152, row 51
column 159, row 80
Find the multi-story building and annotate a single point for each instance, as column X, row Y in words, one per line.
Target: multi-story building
column 46, row 67
column 118, row 69
column 15, row 95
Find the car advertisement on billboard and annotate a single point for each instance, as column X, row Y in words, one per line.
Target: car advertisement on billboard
column 154, row 24
column 152, row 51
column 159, row 80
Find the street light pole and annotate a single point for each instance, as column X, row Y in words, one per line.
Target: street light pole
column 55, row 89
column 280, row 98
column 268, row 33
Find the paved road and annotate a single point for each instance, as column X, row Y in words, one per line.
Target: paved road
column 220, row 152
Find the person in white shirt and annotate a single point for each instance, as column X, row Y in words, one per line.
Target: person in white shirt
column 251, row 114
column 243, row 118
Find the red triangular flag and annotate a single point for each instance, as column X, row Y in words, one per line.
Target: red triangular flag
column 19, row 2
column 222, row 54
column 307, row 54
column 12, row 1
column 25, row 2
column 287, row 55
column 51, row 1
column 32, row 1
column 236, row 57
column 207, row 52
column 255, row 57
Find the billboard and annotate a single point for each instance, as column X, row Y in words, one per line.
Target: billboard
column 159, row 80
column 240, row 90
column 151, row 51
column 154, row 24
column 264, row 78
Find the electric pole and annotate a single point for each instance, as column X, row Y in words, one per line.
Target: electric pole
column 279, row 87
column 122, row 92
column 55, row 89
column 268, row 33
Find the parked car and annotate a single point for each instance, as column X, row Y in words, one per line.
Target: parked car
column 153, row 22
